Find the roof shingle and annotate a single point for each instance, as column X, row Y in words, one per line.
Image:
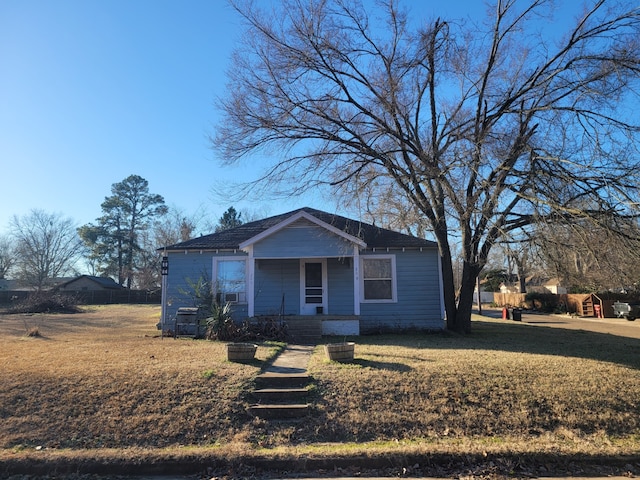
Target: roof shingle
column 374, row 237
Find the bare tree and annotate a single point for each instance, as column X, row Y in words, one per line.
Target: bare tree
column 47, row 246
column 486, row 129
column 7, row 255
column 384, row 205
column 148, row 260
column 590, row 257
column 518, row 254
column 172, row 227
column 175, row 226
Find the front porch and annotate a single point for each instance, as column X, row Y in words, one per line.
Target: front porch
column 308, row 329
column 303, row 287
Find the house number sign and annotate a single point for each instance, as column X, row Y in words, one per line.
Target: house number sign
column 164, row 266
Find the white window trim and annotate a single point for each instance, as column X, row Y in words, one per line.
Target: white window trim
column 394, row 290
column 214, row 275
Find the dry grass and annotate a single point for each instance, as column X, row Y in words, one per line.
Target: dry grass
column 104, row 379
column 511, row 383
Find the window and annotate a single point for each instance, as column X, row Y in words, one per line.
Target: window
column 378, row 276
column 231, row 281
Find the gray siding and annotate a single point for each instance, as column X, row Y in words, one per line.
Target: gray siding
column 302, row 239
column 418, row 294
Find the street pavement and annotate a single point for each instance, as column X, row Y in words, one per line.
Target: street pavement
column 612, row 326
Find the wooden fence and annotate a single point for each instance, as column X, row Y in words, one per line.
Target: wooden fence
column 583, row 304
column 92, row 297
column 509, row 299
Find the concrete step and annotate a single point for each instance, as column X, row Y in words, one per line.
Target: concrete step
column 280, row 395
column 281, row 380
column 280, row 392
column 304, row 330
column 305, row 339
column 300, row 336
column 280, row 411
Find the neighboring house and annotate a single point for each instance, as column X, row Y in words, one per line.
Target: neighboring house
column 88, row 283
column 8, row 284
column 20, row 286
column 357, row 277
column 535, row 283
column 511, row 284
column 541, row 284
column 485, row 295
column 93, row 288
column 509, row 287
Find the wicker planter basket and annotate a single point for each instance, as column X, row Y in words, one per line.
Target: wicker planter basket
column 340, row 352
column 241, row 352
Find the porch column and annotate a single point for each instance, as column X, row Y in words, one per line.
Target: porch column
column 356, row 280
column 251, row 270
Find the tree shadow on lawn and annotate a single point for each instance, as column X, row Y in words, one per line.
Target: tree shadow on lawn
column 391, row 366
column 519, row 337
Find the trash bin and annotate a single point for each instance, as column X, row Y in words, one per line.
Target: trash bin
column 516, row 314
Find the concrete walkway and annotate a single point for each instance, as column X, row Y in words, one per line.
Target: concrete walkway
column 289, row 369
column 293, row 360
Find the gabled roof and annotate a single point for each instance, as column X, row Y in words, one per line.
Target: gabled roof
column 104, row 282
column 362, row 233
column 310, row 218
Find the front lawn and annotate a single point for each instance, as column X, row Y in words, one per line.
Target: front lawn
column 104, row 381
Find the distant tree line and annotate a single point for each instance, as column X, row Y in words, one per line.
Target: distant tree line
column 121, row 244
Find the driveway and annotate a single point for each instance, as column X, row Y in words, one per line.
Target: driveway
column 612, row 326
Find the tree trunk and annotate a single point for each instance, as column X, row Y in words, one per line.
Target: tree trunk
column 465, row 301
column 458, row 313
column 449, row 291
column 523, row 283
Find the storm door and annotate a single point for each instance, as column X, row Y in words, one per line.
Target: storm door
column 313, row 287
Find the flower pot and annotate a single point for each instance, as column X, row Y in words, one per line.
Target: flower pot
column 241, row 352
column 340, row 352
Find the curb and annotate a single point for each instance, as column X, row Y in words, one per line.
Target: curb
column 515, row 465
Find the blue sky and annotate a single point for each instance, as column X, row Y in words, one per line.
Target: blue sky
column 92, row 91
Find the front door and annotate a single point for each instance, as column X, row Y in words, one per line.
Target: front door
column 313, row 287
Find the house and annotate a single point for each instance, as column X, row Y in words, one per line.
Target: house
column 486, row 296
column 8, row 284
column 304, row 264
column 23, row 286
column 510, row 286
column 535, row 283
column 85, row 283
column 542, row 284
